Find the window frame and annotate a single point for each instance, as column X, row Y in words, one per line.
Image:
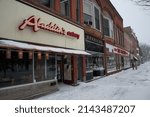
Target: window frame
column 66, row 13
column 111, row 27
column 51, row 4
column 98, row 8
column 92, row 14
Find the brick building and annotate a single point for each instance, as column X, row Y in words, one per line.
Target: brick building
column 131, row 43
column 44, row 42
column 41, row 42
column 104, row 38
column 115, row 52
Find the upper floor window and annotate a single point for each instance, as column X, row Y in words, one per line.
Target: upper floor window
column 97, row 18
column 48, row 3
column 65, row 7
column 87, row 13
column 78, row 11
column 91, row 14
column 108, row 25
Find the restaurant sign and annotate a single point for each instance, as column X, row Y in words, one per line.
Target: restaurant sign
column 37, row 25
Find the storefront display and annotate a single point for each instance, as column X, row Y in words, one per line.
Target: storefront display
column 95, row 62
column 116, row 58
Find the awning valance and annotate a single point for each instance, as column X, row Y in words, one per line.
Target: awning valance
column 20, row 45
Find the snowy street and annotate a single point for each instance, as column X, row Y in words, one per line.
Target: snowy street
column 126, row 85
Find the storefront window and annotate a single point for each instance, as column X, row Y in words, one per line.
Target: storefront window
column 111, row 63
column 51, row 68
column 39, row 66
column 15, row 71
column 94, row 62
column 126, row 62
column 45, row 67
column 89, row 62
column 97, row 61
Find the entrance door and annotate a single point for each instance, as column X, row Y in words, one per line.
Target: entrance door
column 64, row 69
column 59, row 69
column 68, row 69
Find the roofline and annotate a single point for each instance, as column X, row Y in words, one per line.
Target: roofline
column 115, row 9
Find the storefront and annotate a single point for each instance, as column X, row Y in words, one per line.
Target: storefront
column 116, row 58
column 36, row 47
column 95, row 62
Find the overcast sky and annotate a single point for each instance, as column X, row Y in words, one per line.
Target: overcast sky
column 136, row 17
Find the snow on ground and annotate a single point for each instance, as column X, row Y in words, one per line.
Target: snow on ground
column 126, row 85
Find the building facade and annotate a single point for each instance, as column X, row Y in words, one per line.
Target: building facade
column 104, row 38
column 115, row 52
column 41, row 41
column 44, row 42
column 94, row 43
column 131, row 44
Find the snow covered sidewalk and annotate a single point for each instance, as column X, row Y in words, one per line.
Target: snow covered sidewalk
column 126, row 85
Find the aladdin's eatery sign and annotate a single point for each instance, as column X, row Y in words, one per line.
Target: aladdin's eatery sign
column 52, row 27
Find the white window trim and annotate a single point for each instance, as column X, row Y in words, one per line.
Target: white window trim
column 93, row 5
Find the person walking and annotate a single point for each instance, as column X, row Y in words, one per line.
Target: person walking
column 132, row 61
column 135, row 63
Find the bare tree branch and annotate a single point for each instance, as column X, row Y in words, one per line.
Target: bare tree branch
column 145, row 3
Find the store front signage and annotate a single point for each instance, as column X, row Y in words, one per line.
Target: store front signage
column 116, row 50
column 36, row 24
column 120, row 51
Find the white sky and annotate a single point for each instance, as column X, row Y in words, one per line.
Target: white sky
column 136, row 17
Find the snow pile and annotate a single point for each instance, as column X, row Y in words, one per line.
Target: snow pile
column 129, row 84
